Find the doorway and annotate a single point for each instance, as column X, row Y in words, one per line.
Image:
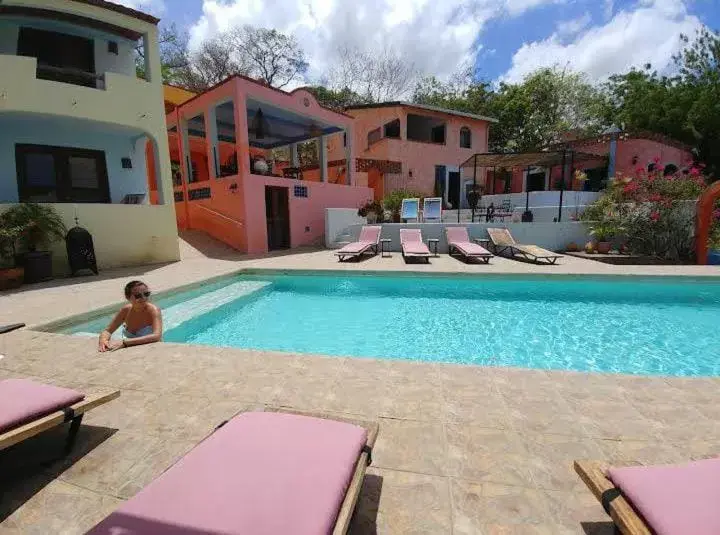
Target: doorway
column 536, row 182
column 277, row 215
column 454, row 189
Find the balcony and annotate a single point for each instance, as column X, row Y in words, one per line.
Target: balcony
column 123, row 100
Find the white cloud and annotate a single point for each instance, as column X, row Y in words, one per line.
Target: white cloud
column 569, row 28
column 608, row 8
column 435, row 36
column 648, row 34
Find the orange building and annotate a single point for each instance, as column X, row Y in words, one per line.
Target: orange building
column 413, row 146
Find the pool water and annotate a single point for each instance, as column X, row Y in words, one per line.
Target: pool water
column 627, row 325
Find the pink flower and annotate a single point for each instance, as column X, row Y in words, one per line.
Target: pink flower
column 694, row 171
column 655, row 197
column 716, row 214
column 655, row 216
column 656, row 159
column 639, row 170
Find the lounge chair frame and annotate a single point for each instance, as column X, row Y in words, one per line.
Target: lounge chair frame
column 73, row 414
column 626, row 519
column 517, row 250
column 373, row 248
column 11, row 327
column 455, row 251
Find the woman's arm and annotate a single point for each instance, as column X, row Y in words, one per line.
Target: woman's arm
column 155, row 336
column 104, row 338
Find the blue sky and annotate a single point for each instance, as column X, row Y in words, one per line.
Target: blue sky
column 505, row 39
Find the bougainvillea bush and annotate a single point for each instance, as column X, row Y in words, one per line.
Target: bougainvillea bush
column 714, row 239
column 652, row 213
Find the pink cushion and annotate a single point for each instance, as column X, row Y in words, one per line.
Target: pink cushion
column 22, row 401
column 411, row 241
column 674, row 499
column 457, row 234
column 262, row 473
column 370, row 234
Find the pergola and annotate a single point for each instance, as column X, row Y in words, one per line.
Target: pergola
column 514, row 160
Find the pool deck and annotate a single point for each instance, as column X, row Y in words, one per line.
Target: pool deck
column 461, row 449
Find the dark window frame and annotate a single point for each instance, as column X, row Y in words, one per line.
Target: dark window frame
column 465, row 132
column 391, row 129
column 64, row 191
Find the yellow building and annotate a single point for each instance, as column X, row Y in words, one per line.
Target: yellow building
column 76, row 116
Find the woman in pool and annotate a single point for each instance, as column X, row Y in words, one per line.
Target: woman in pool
column 141, row 320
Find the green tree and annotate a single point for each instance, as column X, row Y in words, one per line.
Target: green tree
column 336, row 99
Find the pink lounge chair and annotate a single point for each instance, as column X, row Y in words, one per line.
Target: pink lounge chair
column 269, row 473
column 368, row 241
column 459, row 241
column 412, row 244
column 660, row 500
column 28, row 408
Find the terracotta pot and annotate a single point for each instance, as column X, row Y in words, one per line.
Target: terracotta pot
column 572, row 247
column 11, row 278
column 603, row 247
column 589, row 247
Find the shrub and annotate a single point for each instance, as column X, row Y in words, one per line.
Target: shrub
column 371, row 207
column 652, row 212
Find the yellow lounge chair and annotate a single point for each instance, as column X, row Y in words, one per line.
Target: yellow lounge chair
column 503, row 241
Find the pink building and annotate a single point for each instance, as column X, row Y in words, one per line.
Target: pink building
column 413, row 146
column 619, row 153
column 228, row 181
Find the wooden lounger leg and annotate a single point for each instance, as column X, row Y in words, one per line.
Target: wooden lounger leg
column 72, row 434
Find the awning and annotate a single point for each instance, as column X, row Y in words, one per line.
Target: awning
column 527, row 159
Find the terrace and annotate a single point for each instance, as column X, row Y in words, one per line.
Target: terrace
column 461, row 449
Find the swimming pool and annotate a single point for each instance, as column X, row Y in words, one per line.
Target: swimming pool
column 664, row 326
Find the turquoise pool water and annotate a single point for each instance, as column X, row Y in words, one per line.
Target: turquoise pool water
column 626, row 325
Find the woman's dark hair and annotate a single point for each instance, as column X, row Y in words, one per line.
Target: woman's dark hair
column 132, row 285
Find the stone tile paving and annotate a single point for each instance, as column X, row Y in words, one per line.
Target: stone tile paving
column 461, row 449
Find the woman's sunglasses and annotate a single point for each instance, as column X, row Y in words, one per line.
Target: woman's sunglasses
column 140, row 295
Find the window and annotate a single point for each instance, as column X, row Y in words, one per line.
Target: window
column 300, row 191
column 60, row 57
column 392, row 129
column 425, row 128
column 344, row 139
column 374, row 136
column 465, row 138
column 61, row 174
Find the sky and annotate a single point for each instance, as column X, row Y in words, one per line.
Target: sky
column 504, row 39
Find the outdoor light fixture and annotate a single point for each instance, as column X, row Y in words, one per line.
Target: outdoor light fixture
column 260, row 126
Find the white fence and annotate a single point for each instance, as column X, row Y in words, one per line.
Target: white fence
column 543, row 198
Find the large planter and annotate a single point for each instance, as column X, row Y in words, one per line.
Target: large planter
column 713, row 257
column 603, row 247
column 11, row 278
column 38, row 266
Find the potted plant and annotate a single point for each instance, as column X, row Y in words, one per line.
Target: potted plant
column 603, row 233
column 373, row 211
column 40, row 226
column 11, row 275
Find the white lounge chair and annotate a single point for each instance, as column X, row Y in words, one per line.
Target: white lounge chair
column 432, row 209
column 410, row 210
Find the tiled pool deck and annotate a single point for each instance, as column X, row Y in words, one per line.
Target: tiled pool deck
column 461, row 449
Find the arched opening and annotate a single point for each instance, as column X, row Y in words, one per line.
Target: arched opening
column 705, row 206
column 465, row 138
column 670, row 169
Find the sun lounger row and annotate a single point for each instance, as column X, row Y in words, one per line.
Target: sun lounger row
column 459, row 244
column 272, row 472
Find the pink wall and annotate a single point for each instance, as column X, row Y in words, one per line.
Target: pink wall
column 646, row 151
column 416, row 156
column 304, row 211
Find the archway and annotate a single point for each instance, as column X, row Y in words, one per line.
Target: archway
column 705, row 205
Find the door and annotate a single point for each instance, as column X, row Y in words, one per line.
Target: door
column 375, row 181
column 454, row 189
column 277, row 215
column 536, row 182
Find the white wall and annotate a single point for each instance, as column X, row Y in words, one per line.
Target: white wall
column 337, row 221
column 122, row 63
column 553, row 236
column 123, row 235
column 118, row 143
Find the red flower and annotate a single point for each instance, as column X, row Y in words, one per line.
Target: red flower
column 655, row 216
column 639, row 170
column 694, row 171
column 655, row 197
